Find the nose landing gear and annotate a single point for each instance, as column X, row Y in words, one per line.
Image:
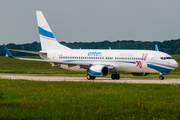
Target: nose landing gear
column 161, row 77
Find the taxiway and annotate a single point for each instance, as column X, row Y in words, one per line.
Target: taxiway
column 83, row 79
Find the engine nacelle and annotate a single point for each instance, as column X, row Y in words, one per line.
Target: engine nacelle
column 140, row 74
column 98, row 70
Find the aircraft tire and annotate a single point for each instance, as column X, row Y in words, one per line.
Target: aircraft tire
column 93, row 77
column 117, row 76
column 113, row 76
column 161, row 77
column 89, row 77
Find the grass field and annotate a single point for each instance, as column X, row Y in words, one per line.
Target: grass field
column 14, row 66
column 21, row 99
column 8, row 65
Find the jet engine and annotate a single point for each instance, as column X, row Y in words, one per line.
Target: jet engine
column 140, row 74
column 98, row 70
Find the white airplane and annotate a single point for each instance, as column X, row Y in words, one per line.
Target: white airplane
column 99, row 62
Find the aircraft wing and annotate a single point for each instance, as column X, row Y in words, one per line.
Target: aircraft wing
column 53, row 62
column 86, row 65
column 33, row 52
column 41, row 60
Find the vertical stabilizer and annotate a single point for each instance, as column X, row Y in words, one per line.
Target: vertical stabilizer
column 48, row 41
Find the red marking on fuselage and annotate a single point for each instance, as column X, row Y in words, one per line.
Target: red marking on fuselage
column 144, row 56
column 139, row 64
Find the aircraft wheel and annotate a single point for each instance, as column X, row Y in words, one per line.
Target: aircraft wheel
column 117, row 76
column 113, row 76
column 89, row 77
column 161, row 77
column 93, row 77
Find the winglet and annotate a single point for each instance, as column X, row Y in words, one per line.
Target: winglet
column 7, row 51
column 156, row 48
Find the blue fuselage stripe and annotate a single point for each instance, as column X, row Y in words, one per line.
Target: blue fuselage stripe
column 158, row 68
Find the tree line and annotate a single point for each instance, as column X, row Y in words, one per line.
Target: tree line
column 169, row 46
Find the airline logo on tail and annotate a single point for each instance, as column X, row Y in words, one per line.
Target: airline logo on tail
column 45, row 33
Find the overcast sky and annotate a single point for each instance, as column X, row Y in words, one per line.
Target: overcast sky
column 91, row 20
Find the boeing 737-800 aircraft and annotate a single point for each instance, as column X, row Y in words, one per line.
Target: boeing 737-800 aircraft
column 99, row 62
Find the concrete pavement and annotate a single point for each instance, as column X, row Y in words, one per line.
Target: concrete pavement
column 83, row 79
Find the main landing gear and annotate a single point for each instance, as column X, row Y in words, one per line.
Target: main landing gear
column 89, row 77
column 115, row 76
column 161, row 77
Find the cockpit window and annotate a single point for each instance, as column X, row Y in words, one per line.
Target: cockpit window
column 168, row 58
column 164, row 58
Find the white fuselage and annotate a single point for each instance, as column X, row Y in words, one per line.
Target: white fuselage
column 134, row 61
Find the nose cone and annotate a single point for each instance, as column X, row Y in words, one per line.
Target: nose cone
column 175, row 64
